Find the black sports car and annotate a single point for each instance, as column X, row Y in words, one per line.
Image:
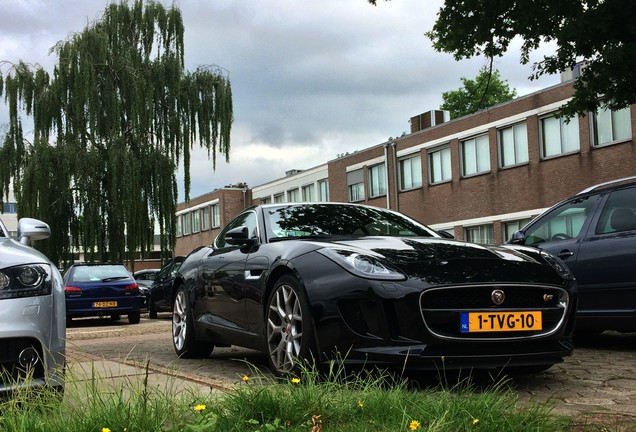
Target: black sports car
column 366, row 285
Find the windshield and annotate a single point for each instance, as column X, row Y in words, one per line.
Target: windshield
column 320, row 220
column 99, row 273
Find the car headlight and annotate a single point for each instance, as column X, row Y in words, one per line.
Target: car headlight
column 557, row 264
column 363, row 265
column 25, row 281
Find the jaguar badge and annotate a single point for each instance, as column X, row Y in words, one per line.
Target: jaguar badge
column 497, row 297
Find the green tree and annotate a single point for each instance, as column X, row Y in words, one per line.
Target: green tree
column 109, row 127
column 599, row 32
column 486, row 90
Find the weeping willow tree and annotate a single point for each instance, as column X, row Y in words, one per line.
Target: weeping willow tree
column 110, row 125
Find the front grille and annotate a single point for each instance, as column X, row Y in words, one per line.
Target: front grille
column 10, row 369
column 442, row 308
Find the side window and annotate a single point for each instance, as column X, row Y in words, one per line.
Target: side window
column 619, row 213
column 247, row 219
column 563, row 222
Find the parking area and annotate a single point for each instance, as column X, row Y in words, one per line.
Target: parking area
column 596, row 384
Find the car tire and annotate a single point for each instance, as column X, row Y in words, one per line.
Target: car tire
column 289, row 328
column 183, row 333
column 134, row 317
column 152, row 312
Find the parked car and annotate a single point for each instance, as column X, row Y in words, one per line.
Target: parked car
column 146, row 276
column 101, row 289
column 370, row 286
column 144, row 279
column 594, row 232
column 160, row 293
column 32, row 325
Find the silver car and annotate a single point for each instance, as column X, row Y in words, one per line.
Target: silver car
column 32, row 312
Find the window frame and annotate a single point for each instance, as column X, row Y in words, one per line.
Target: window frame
column 430, row 156
column 477, row 145
column 501, row 144
column 377, row 180
column 412, row 170
column 480, row 228
column 562, row 122
column 215, row 214
column 594, row 139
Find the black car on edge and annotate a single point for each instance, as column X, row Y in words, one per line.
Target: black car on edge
column 370, row 286
column 594, row 232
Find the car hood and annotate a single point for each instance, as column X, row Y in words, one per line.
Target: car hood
column 13, row 253
column 441, row 261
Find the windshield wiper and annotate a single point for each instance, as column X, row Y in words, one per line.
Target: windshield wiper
column 301, row 237
column 110, row 279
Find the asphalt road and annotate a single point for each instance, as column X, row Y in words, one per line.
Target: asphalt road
column 596, row 384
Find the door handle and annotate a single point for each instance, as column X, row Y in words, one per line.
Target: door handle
column 565, row 253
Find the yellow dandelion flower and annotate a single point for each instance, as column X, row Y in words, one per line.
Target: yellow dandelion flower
column 414, row 425
column 199, row 408
column 475, row 422
column 360, row 404
column 105, row 430
column 246, row 378
column 295, row 380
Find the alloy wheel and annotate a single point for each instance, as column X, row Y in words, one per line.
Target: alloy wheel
column 179, row 321
column 284, row 328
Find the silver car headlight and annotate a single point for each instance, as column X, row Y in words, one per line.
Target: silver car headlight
column 557, row 264
column 27, row 280
column 363, row 265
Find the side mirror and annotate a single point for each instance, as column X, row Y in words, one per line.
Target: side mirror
column 445, row 234
column 518, row 237
column 32, row 229
column 238, row 236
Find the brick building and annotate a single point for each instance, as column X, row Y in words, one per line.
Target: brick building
column 479, row 177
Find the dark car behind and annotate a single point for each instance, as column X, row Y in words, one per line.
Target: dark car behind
column 594, row 233
column 160, row 292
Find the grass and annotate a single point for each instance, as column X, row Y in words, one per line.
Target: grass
column 333, row 401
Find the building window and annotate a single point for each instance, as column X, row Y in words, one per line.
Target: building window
column 439, row 165
column 178, row 226
column 411, row 173
column 278, row 198
column 9, row 208
column 292, row 195
column 216, row 215
column 355, row 185
column 559, row 137
column 196, row 226
column 205, row 218
column 483, row 234
column 511, row 227
column 186, row 223
column 513, row 145
column 266, row 200
column 323, row 190
column 611, row 126
column 475, row 155
column 308, row 193
column 377, row 180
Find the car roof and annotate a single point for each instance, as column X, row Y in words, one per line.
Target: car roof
column 609, row 185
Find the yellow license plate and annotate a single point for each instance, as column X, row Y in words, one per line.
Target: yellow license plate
column 472, row 322
column 105, row 304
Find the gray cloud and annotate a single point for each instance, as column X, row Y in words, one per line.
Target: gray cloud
column 325, row 77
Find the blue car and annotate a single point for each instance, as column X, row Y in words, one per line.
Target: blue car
column 101, row 289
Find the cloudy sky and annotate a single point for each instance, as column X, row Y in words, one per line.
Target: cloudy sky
column 310, row 79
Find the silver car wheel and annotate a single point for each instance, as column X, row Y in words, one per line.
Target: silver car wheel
column 284, row 328
column 179, row 321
